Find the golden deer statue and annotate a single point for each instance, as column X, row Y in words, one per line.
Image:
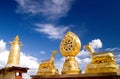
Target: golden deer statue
column 103, row 62
column 47, row 67
column 99, row 57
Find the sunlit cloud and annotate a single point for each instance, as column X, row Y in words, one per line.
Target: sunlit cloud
column 52, row 31
column 52, row 9
column 96, row 43
column 42, row 52
column 113, row 49
column 59, row 64
column 2, row 45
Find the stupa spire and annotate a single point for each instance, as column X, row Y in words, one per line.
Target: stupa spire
column 16, row 38
column 14, row 55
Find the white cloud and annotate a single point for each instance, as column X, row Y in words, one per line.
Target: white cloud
column 52, row 31
column 26, row 76
column 3, row 58
column 2, row 45
column 83, row 59
column 117, row 57
column 113, row 49
column 83, row 53
column 3, row 54
column 42, row 52
column 28, row 61
column 59, row 64
column 83, row 62
column 30, row 72
column 96, row 43
column 49, row 8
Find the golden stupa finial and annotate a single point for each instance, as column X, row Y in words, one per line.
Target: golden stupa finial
column 16, row 38
column 14, row 53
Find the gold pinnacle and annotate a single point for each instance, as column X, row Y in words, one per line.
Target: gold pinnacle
column 14, row 55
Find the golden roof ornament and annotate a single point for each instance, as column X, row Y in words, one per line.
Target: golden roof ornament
column 69, row 48
column 14, row 55
column 16, row 38
column 47, row 67
column 103, row 62
column 70, row 44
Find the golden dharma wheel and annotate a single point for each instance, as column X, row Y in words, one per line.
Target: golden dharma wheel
column 70, row 44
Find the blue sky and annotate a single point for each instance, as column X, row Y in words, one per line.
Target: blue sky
column 41, row 24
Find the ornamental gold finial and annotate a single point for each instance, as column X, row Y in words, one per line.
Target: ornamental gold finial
column 103, row 62
column 14, row 55
column 69, row 48
column 70, row 44
column 47, row 67
column 16, row 38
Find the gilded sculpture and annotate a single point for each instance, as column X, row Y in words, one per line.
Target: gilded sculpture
column 14, row 55
column 103, row 62
column 69, row 48
column 47, row 67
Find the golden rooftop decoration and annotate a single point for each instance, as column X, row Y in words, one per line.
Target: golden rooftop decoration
column 70, row 45
column 69, row 48
column 47, row 67
column 14, row 55
column 103, row 62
